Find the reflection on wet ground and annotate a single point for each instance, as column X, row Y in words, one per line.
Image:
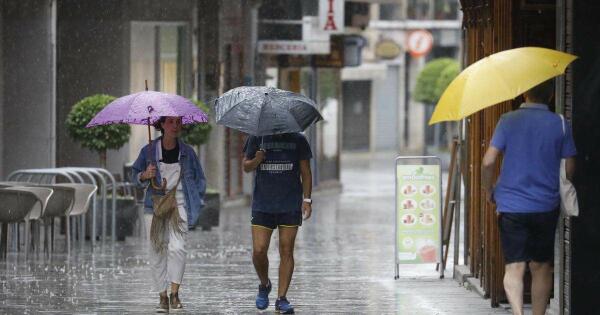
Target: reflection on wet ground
column 344, row 264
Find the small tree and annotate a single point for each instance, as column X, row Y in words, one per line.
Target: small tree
column 425, row 88
column 431, row 84
column 99, row 138
column 197, row 134
column 445, row 78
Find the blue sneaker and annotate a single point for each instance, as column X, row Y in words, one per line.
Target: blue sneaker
column 262, row 298
column 283, row 306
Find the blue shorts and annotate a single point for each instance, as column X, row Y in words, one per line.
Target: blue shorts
column 528, row 237
column 273, row 220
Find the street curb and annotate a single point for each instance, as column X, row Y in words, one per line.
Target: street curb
column 462, row 275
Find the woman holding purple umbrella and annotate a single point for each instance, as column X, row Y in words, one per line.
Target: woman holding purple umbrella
column 169, row 160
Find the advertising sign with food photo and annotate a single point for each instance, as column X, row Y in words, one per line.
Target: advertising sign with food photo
column 418, row 213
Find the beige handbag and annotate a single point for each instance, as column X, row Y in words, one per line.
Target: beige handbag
column 568, row 196
column 165, row 212
column 164, row 205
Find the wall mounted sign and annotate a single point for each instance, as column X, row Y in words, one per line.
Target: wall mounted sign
column 293, row 47
column 331, row 16
column 387, row 49
column 419, row 43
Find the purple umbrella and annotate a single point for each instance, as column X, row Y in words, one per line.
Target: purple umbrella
column 145, row 108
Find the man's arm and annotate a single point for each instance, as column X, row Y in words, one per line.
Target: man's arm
column 570, row 168
column 306, row 175
column 250, row 165
column 487, row 171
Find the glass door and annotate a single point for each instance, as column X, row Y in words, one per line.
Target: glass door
column 160, row 54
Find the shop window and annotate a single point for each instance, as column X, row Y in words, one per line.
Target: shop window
column 419, row 9
column 390, row 12
column 432, row 9
column 446, row 9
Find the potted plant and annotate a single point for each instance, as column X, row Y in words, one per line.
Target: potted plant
column 100, row 138
column 197, row 135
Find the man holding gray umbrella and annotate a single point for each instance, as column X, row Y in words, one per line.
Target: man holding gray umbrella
column 280, row 155
column 281, row 199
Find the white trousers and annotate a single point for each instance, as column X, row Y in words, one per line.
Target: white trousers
column 168, row 267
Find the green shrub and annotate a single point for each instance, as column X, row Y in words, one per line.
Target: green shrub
column 425, row 88
column 197, row 134
column 100, row 138
column 446, row 77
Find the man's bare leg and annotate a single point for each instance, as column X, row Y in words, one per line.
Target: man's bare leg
column 261, row 238
column 541, row 285
column 287, row 240
column 513, row 285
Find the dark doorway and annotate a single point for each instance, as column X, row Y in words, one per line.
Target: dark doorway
column 356, row 115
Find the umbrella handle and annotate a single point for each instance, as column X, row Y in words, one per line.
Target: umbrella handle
column 153, row 180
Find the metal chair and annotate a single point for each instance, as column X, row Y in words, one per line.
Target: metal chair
column 59, row 205
column 84, row 194
column 20, row 204
column 35, row 215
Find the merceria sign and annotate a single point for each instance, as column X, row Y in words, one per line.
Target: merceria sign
column 293, row 47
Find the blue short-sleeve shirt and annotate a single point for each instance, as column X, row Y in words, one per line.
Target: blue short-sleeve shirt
column 533, row 143
column 277, row 184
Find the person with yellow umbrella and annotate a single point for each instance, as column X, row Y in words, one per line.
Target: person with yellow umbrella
column 532, row 141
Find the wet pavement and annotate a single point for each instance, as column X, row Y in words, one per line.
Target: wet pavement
column 344, row 264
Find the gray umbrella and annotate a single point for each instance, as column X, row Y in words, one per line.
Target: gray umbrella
column 262, row 111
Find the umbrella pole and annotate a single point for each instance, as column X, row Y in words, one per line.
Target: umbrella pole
column 153, row 180
column 149, row 133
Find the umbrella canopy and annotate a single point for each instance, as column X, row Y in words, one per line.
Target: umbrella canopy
column 261, row 110
column 147, row 107
column 497, row 78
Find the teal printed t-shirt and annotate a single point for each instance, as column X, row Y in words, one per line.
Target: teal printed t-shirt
column 277, row 185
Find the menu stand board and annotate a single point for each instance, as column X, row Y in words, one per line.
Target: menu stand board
column 418, row 211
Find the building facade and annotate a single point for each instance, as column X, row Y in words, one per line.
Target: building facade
column 54, row 53
column 571, row 26
column 387, row 75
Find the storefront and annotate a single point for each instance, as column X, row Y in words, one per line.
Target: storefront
column 491, row 26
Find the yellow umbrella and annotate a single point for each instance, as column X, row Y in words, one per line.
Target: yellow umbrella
column 497, row 78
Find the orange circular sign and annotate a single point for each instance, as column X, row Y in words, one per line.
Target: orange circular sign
column 419, row 43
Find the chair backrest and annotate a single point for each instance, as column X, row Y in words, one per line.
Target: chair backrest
column 83, row 196
column 61, row 201
column 16, row 204
column 43, row 195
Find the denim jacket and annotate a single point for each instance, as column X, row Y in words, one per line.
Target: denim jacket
column 193, row 180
